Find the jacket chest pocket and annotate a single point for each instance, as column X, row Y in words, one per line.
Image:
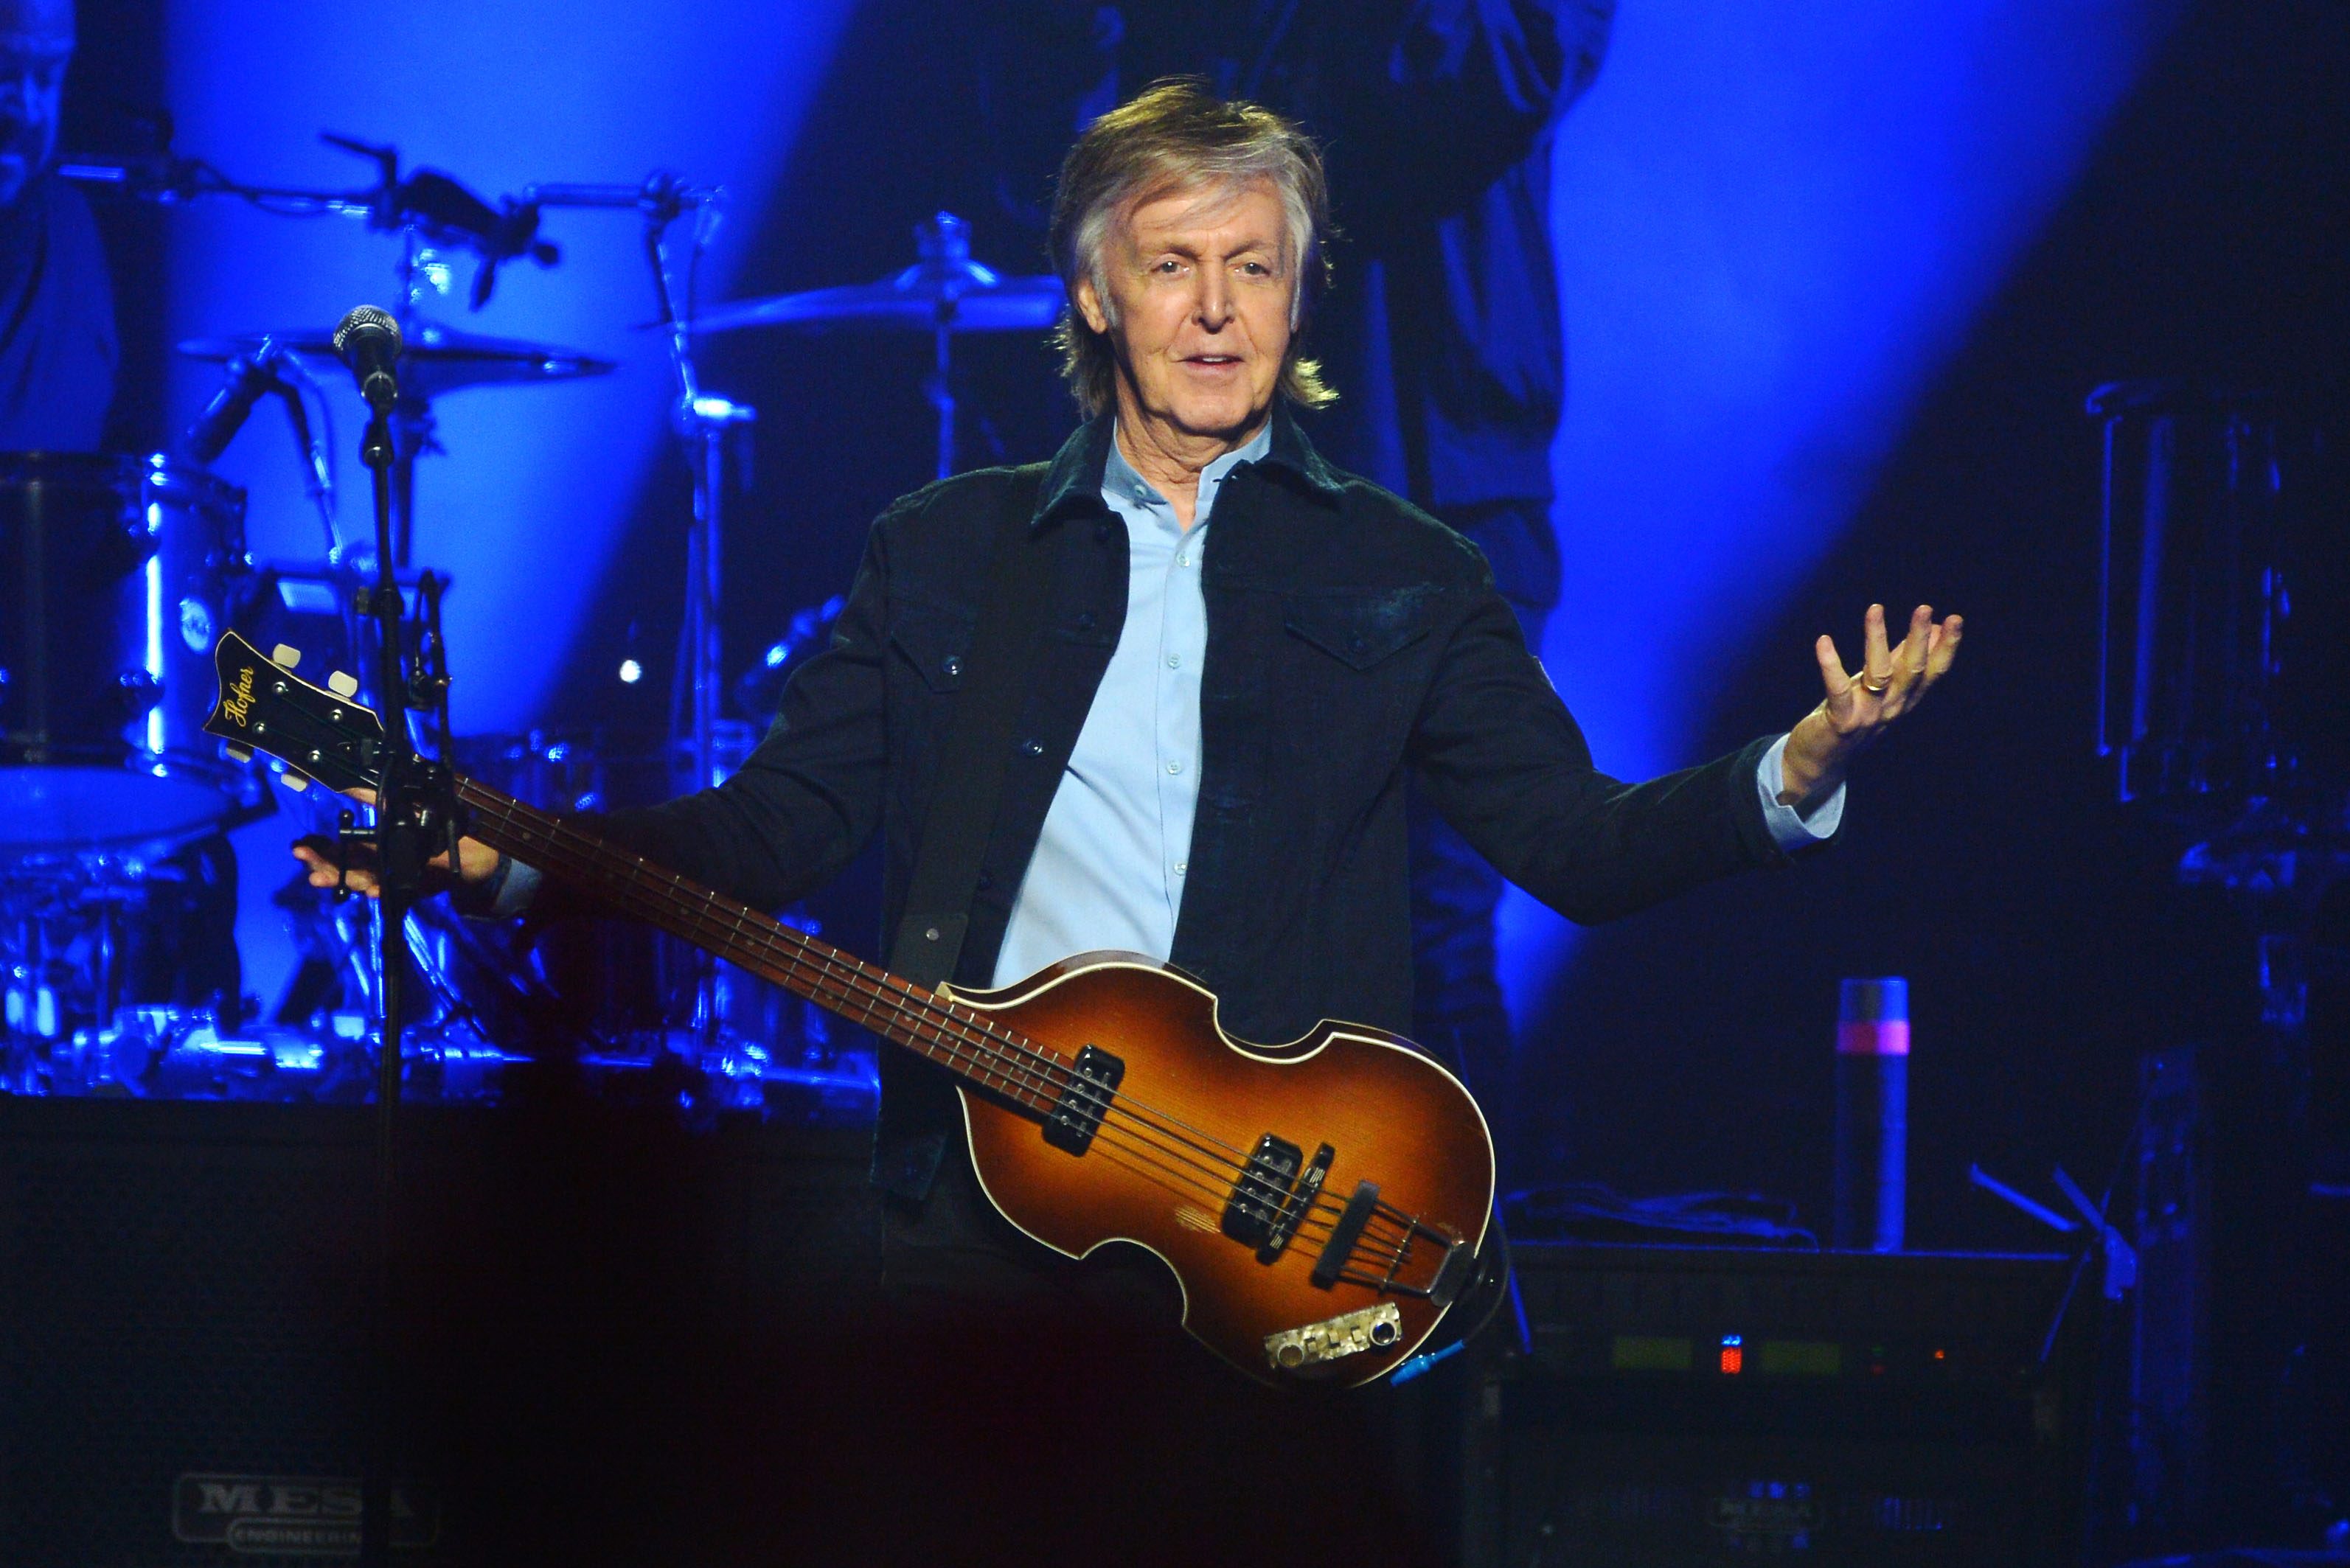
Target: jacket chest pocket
column 929, row 644
column 1356, row 662
column 929, row 647
column 1361, row 631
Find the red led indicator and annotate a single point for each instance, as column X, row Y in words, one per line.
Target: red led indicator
column 1733, row 1354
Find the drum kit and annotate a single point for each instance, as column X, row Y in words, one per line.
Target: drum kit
column 118, row 574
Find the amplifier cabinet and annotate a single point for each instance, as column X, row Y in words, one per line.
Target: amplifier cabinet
column 589, row 1299
column 1701, row 1405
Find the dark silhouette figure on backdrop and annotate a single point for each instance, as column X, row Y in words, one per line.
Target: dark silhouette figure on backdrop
column 57, row 346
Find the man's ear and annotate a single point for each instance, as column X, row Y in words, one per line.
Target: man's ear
column 1089, row 305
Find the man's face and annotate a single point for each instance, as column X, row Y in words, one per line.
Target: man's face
column 1200, row 285
column 32, row 82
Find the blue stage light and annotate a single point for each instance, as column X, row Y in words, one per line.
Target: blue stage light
column 1774, row 227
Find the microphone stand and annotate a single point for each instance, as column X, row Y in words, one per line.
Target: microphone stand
column 702, row 423
column 415, row 814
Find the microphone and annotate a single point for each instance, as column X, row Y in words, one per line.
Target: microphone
column 369, row 341
column 249, row 377
column 317, row 479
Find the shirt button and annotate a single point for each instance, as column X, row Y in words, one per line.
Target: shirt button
column 1174, row 661
column 1182, row 560
column 952, row 664
column 1033, row 746
column 1174, row 767
column 1181, row 866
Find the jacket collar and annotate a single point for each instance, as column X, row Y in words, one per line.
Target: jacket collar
column 1073, row 480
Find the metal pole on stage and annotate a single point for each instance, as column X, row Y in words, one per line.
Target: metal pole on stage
column 703, row 422
column 401, row 854
column 415, row 814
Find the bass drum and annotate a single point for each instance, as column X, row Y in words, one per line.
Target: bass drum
column 116, row 575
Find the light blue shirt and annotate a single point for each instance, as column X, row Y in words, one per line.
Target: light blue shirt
column 1110, row 863
column 1109, row 866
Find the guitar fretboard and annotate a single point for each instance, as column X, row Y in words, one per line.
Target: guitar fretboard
column 959, row 1038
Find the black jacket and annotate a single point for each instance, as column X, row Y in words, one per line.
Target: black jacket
column 1351, row 638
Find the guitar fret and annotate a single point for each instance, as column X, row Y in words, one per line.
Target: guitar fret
column 958, row 1038
column 1182, row 1151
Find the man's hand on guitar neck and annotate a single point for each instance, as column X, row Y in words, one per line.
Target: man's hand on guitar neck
column 476, row 861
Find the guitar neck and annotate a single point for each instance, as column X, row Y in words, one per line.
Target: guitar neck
column 958, row 1038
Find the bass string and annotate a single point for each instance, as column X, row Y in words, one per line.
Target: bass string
column 795, row 949
column 1376, row 1247
column 704, row 922
column 667, row 894
column 801, row 952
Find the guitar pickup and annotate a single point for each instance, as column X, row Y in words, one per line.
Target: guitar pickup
column 1257, row 1213
column 1085, row 1099
column 1267, row 1183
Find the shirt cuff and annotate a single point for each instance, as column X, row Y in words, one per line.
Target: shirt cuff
column 517, row 884
column 1792, row 827
column 520, row 885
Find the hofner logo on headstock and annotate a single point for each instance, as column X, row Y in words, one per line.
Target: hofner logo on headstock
column 237, row 701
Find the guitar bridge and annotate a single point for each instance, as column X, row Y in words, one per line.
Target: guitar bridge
column 1455, row 1261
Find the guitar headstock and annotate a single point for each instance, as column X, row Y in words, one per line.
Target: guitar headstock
column 316, row 730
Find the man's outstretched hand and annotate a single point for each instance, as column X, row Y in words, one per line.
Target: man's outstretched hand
column 1860, row 706
column 475, row 860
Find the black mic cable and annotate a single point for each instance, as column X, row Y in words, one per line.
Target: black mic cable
column 249, row 376
column 318, row 472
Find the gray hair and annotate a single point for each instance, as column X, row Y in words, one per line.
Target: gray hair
column 1178, row 137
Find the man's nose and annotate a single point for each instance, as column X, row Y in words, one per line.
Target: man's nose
column 1214, row 308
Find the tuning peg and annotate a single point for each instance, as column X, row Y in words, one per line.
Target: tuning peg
column 293, row 781
column 343, row 685
column 285, row 655
column 237, row 753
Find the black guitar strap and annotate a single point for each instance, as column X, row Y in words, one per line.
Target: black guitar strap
column 979, row 739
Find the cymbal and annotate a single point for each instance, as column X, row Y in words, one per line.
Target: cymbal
column 434, row 358
column 970, row 298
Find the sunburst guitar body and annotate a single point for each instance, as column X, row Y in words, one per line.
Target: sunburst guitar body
column 1324, row 1204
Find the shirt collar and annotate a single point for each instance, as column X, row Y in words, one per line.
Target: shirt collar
column 1073, row 478
column 1118, row 474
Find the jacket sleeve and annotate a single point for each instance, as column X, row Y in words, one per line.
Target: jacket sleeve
column 806, row 800
column 1508, row 766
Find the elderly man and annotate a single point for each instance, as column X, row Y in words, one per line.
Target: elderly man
column 1228, row 658
column 57, row 351
column 1236, row 656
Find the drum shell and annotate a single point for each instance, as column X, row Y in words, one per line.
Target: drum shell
column 116, row 576
column 72, row 674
